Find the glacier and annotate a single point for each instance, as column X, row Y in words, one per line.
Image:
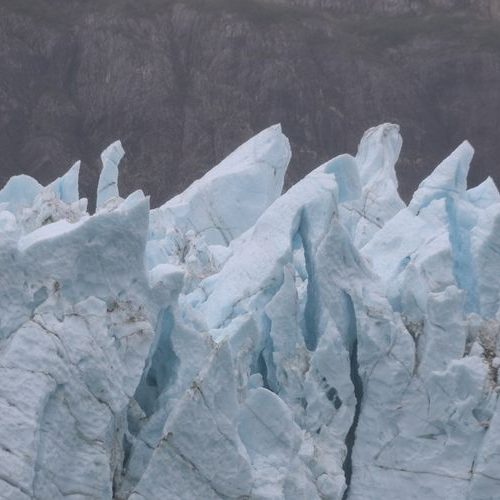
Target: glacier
column 241, row 342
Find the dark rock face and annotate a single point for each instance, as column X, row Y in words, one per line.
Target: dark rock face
column 184, row 82
column 478, row 8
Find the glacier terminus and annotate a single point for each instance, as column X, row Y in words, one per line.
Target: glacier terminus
column 241, row 342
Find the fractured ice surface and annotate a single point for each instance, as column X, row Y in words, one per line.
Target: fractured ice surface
column 379, row 201
column 230, row 197
column 237, row 342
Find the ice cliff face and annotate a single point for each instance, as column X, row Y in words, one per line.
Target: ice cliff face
column 325, row 343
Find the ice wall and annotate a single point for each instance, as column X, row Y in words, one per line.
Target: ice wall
column 328, row 342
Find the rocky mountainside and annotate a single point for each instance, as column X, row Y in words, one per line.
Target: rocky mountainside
column 488, row 9
column 183, row 82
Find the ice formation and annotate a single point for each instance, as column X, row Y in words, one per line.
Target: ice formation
column 325, row 343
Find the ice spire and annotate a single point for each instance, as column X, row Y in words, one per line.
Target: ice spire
column 107, row 187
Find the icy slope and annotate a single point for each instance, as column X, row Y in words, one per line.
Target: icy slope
column 324, row 343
